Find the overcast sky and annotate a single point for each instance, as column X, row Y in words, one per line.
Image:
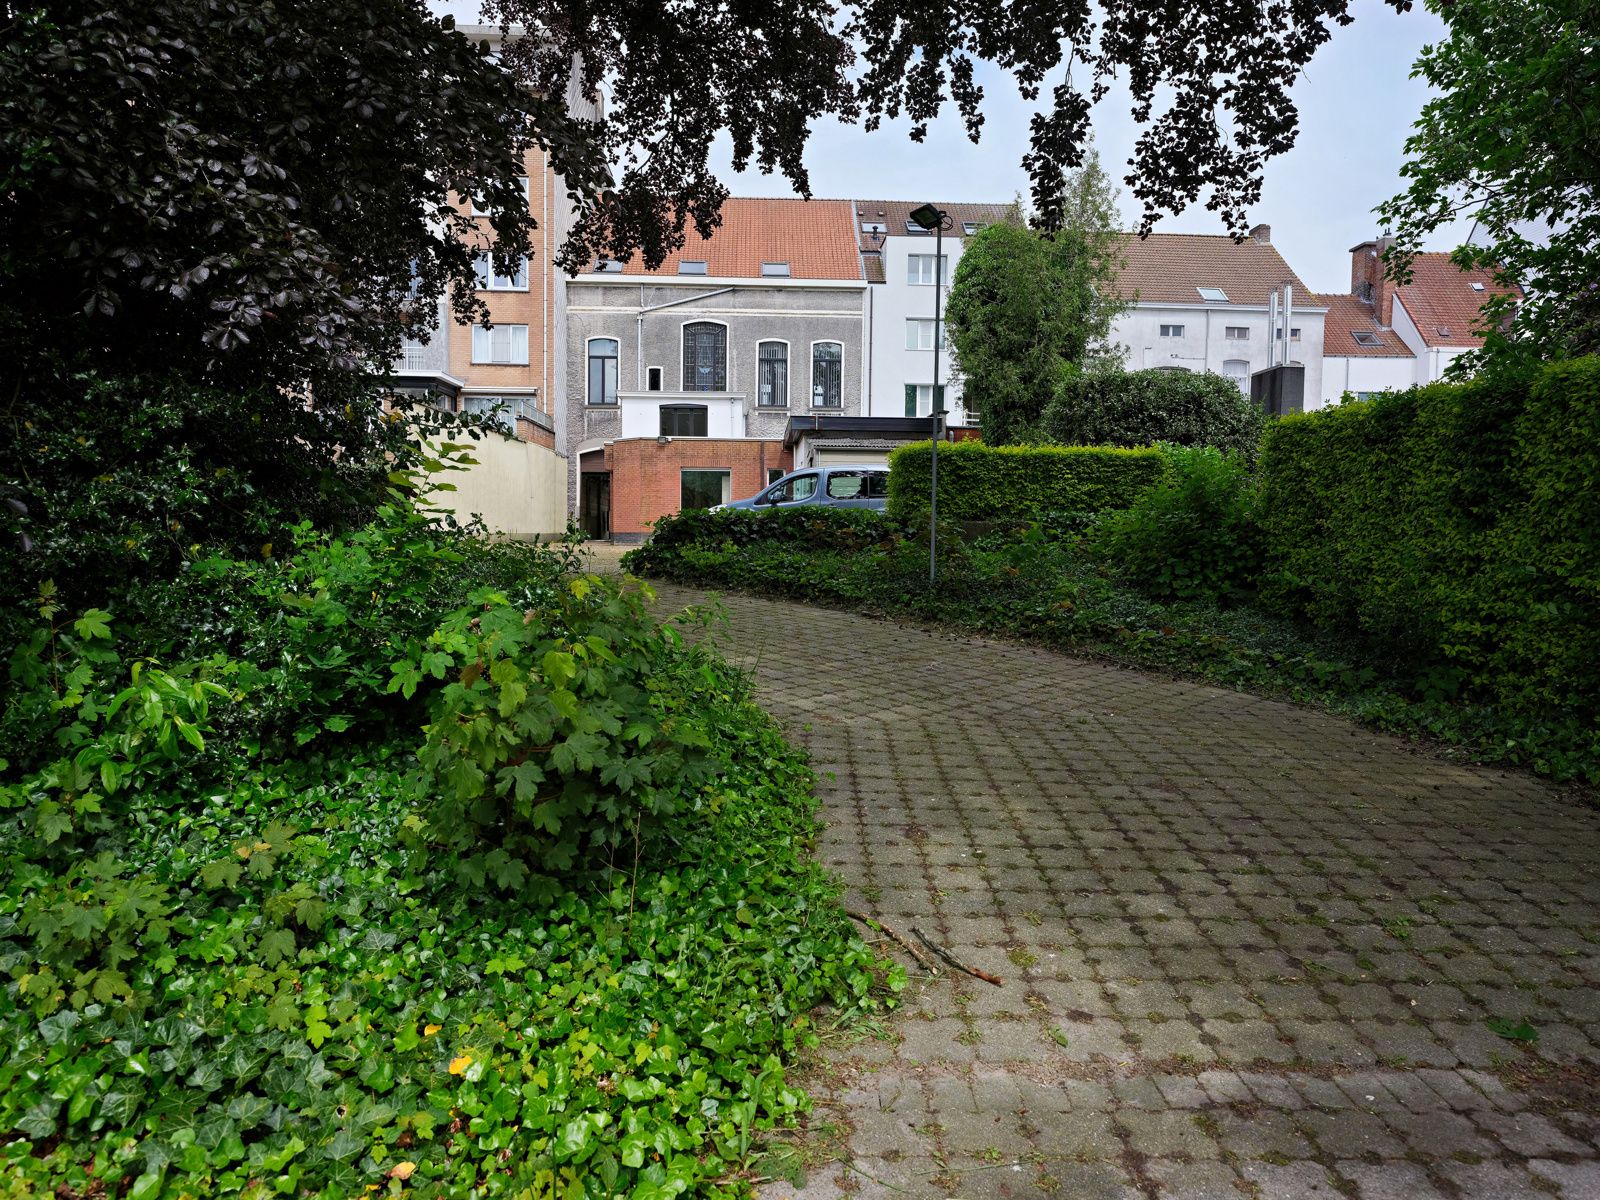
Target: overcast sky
column 1357, row 103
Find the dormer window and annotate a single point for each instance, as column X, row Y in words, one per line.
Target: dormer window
column 1213, row 295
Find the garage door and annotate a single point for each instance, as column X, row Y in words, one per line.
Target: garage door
column 839, row 457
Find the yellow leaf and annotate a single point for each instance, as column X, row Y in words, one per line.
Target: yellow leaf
column 402, row 1170
column 430, row 1030
column 458, row 1065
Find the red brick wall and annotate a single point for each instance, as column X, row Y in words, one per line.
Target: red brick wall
column 532, row 431
column 645, row 475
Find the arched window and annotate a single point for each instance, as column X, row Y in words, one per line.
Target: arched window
column 602, row 370
column 827, row 375
column 772, row 375
column 1238, row 370
column 705, row 357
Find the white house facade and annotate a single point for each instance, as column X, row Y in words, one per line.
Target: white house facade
column 1205, row 303
column 898, row 259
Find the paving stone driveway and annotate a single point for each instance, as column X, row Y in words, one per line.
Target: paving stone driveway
column 1248, row 950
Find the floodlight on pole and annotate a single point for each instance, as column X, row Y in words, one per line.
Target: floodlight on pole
column 929, row 216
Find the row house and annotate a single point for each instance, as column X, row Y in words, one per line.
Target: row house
column 1202, row 302
column 898, row 258
column 515, row 364
column 684, row 380
column 1387, row 336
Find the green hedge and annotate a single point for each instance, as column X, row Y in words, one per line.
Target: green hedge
column 1141, row 408
column 1458, row 526
column 987, row 483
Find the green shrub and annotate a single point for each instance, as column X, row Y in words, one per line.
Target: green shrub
column 986, row 483
column 1455, row 527
column 1191, row 537
column 237, row 960
column 1141, row 408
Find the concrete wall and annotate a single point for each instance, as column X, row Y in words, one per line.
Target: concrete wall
column 1205, row 345
column 519, row 488
column 1362, row 373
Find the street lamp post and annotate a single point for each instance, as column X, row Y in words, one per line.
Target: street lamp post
column 929, row 216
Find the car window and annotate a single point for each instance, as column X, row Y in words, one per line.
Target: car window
column 844, row 485
column 877, row 485
column 796, row 487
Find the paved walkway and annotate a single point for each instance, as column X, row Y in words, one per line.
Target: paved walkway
column 1248, row 950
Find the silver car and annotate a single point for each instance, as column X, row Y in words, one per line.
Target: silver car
column 859, row 486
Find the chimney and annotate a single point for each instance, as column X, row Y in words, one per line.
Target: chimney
column 1262, row 234
column 1367, row 282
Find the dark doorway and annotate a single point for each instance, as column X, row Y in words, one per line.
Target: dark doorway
column 594, row 503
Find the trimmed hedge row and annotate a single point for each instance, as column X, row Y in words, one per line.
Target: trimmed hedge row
column 1141, row 408
column 988, row 483
column 1457, row 526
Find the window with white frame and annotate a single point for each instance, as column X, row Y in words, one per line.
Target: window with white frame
column 1238, row 370
column 602, row 370
column 490, row 280
column 919, row 399
column 1172, row 331
column 501, row 344
column 827, row 375
column 919, row 333
column 920, row 268
column 772, row 375
column 477, row 203
column 1238, row 333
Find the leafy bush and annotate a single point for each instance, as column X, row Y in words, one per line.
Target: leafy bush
column 1111, row 407
column 817, row 528
column 985, row 483
column 1042, row 582
column 1191, row 537
column 239, row 953
column 1454, row 526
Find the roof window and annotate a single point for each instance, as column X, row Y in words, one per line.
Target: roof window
column 1477, row 285
column 1213, row 293
column 691, row 266
column 607, row 265
column 775, row 269
column 913, row 227
column 874, row 227
column 971, row 227
column 1363, row 338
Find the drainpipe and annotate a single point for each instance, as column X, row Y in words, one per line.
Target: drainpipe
column 1288, row 316
column 638, row 331
column 1272, row 330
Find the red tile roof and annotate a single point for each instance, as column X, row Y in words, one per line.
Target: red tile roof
column 815, row 237
column 1166, row 268
column 1442, row 301
column 1348, row 315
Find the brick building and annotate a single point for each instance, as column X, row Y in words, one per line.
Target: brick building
column 681, row 381
column 517, row 362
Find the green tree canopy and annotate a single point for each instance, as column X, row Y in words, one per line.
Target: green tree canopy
column 1028, row 308
column 1513, row 140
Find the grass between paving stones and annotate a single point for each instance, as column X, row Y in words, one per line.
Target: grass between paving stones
column 1043, row 584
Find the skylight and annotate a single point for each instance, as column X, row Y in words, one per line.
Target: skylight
column 691, row 266
column 1212, row 293
column 775, row 268
column 874, row 227
column 1477, row 285
column 1363, row 338
column 971, row 227
column 602, row 266
column 913, row 227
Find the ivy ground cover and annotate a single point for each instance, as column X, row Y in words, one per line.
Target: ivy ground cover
column 240, row 962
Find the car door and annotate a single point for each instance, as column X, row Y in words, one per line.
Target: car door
column 797, row 489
